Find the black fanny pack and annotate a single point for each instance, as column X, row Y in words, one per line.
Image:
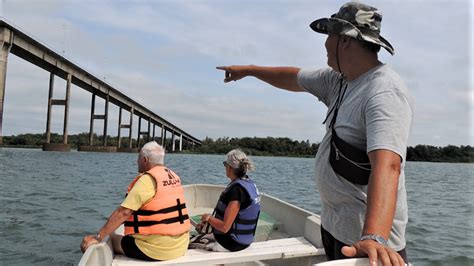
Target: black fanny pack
column 348, row 161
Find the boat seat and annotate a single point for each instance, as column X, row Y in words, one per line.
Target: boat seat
column 285, row 248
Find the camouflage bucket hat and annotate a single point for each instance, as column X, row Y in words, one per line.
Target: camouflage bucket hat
column 355, row 20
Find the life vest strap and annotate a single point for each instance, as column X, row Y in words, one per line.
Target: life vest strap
column 238, row 231
column 180, row 218
column 150, row 223
column 178, row 208
column 246, row 221
column 219, row 212
column 243, row 231
column 135, row 224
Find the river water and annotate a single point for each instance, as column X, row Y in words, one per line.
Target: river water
column 50, row 200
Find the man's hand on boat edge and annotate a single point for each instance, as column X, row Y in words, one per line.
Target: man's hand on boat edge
column 375, row 252
column 88, row 241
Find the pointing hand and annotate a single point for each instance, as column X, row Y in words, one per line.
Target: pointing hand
column 234, row 73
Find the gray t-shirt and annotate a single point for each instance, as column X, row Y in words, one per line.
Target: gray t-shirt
column 376, row 113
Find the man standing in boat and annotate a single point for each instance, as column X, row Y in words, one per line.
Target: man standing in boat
column 360, row 162
column 154, row 212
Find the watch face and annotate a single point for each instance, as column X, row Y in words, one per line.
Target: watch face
column 381, row 240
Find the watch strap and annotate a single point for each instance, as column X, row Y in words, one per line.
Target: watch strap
column 377, row 238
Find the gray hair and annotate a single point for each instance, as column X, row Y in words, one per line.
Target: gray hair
column 154, row 152
column 237, row 159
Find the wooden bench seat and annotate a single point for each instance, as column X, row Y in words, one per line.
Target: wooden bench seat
column 272, row 249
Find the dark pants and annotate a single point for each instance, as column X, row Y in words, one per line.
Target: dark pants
column 333, row 247
column 131, row 250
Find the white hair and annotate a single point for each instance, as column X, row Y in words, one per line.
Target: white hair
column 237, row 159
column 154, row 152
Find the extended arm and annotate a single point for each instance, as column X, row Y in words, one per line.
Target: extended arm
column 381, row 203
column 280, row 77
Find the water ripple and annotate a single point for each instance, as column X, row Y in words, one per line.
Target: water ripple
column 54, row 199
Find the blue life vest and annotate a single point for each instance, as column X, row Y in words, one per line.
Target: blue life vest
column 245, row 224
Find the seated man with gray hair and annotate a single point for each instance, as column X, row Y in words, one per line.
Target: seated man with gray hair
column 154, row 212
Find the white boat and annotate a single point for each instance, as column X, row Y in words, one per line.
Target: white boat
column 286, row 235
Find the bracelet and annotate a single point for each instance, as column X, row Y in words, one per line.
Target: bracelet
column 98, row 237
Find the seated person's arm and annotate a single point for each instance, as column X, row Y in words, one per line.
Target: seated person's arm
column 119, row 216
column 229, row 216
column 140, row 194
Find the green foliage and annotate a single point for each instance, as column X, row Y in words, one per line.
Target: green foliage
column 268, row 146
column 76, row 140
column 287, row 147
column 259, row 146
column 450, row 153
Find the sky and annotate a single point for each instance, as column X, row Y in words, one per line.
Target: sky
column 163, row 55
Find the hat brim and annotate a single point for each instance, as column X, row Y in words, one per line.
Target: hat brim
column 343, row 27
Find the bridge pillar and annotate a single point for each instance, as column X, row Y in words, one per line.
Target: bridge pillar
column 66, row 107
column 143, row 133
column 106, row 118
column 173, row 142
column 154, row 132
column 181, row 143
column 119, row 127
column 131, row 126
column 48, row 118
column 163, row 137
column 148, row 133
column 93, row 117
column 162, row 134
column 6, row 43
column 48, row 146
column 91, row 124
column 139, row 131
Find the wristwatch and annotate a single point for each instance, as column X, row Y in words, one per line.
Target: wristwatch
column 376, row 238
column 98, row 237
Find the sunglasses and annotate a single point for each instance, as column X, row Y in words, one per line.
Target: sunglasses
column 225, row 163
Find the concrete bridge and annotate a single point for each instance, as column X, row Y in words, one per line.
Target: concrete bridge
column 13, row 40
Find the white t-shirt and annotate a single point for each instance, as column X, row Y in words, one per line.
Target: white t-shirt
column 376, row 113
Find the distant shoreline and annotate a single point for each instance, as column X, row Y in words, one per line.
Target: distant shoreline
column 276, row 147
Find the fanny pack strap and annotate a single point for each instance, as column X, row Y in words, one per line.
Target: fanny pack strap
column 337, row 104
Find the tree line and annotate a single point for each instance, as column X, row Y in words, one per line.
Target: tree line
column 287, row 147
column 268, row 146
column 75, row 140
column 260, row 146
column 450, row 153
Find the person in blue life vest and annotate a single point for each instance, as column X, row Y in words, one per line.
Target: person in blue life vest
column 360, row 162
column 236, row 214
column 154, row 213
